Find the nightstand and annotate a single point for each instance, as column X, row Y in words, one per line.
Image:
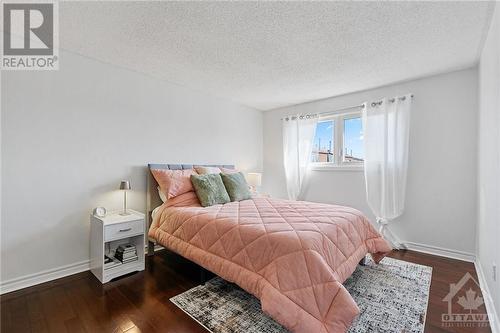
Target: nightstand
column 107, row 234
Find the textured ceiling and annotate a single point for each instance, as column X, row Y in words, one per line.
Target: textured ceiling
column 271, row 54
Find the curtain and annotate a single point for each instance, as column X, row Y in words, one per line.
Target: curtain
column 298, row 136
column 386, row 128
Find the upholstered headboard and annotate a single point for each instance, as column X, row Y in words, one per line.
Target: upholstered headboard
column 152, row 198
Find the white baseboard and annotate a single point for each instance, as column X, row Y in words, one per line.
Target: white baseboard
column 59, row 272
column 157, row 248
column 43, row 276
column 48, row 275
column 440, row 251
column 488, row 301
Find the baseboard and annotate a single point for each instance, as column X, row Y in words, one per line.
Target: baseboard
column 158, row 247
column 440, row 251
column 48, row 275
column 488, row 301
column 59, row 272
column 43, row 276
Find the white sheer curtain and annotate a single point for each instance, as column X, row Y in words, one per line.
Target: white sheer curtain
column 298, row 136
column 386, row 128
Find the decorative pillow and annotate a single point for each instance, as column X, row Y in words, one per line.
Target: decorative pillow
column 203, row 170
column 210, row 189
column 236, row 186
column 174, row 182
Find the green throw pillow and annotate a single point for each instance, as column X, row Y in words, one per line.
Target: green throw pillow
column 236, row 186
column 210, row 189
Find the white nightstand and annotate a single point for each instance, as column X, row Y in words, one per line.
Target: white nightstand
column 106, row 234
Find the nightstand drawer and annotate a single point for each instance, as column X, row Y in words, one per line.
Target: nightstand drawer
column 123, row 230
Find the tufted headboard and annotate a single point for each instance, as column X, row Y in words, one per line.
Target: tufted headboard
column 152, row 198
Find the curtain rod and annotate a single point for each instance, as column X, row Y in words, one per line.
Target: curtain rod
column 360, row 106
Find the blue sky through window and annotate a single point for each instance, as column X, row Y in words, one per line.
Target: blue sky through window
column 325, row 136
column 323, row 139
column 353, row 137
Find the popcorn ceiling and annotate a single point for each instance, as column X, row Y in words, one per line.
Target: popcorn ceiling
column 272, row 54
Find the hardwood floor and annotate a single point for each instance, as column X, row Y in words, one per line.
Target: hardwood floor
column 140, row 302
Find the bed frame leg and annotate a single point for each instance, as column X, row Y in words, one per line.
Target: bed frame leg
column 151, row 248
column 362, row 262
column 203, row 275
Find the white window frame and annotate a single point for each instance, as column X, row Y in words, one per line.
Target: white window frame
column 338, row 144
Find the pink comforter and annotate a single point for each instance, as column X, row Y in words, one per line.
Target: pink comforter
column 292, row 255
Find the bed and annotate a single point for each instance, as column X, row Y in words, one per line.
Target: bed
column 292, row 255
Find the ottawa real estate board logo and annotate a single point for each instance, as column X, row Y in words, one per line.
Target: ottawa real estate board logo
column 465, row 305
column 30, row 33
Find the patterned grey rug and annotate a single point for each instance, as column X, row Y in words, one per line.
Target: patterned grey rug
column 392, row 297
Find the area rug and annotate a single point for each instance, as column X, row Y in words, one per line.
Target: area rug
column 392, row 298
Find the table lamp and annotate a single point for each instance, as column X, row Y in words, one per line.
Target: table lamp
column 254, row 179
column 125, row 186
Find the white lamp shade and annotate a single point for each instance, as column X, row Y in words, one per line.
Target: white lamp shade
column 254, row 179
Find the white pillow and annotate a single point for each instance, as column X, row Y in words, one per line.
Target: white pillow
column 162, row 195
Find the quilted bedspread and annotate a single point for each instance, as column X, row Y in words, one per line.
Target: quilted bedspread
column 292, row 255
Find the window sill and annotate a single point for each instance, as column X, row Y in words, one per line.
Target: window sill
column 329, row 167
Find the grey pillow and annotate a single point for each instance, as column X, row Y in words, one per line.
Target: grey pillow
column 236, row 186
column 210, row 189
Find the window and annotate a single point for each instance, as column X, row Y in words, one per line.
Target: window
column 353, row 140
column 339, row 141
column 323, row 142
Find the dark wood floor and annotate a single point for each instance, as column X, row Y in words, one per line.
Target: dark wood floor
column 140, row 302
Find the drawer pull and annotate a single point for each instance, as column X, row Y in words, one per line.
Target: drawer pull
column 125, row 230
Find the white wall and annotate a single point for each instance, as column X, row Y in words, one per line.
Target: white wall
column 69, row 136
column 488, row 248
column 441, row 193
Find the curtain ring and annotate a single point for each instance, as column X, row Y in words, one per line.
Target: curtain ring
column 382, row 221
